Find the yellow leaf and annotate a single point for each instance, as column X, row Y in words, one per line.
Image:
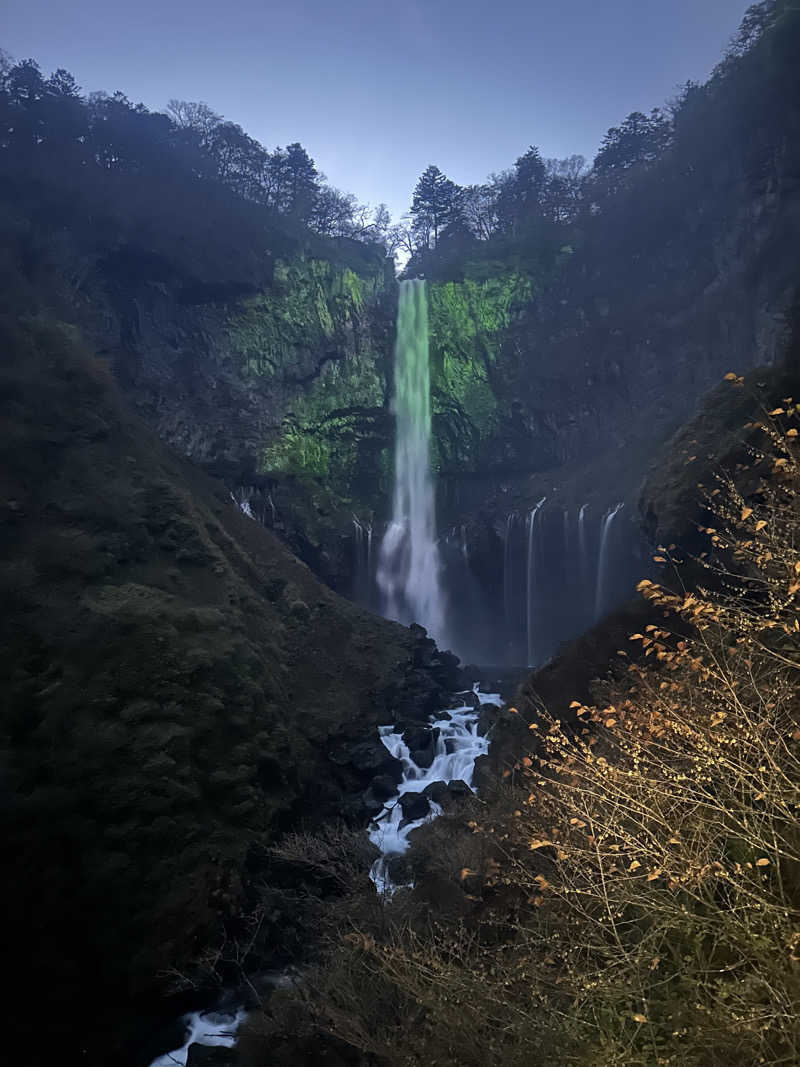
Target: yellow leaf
column 539, row 844
column 653, row 875
column 746, row 513
column 763, row 862
column 761, row 524
column 791, row 433
column 517, row 813
column 527, row 761
column 513, row 711
column 778, row 411
column 730, row 377
column 611, row 722
column 575, row 704
column 659, row 559
column 541, row 881
column 639, row 1018
column 634, row 866
column 465, row 873
column 534, row 726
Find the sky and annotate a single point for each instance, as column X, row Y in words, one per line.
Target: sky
column 375, row 92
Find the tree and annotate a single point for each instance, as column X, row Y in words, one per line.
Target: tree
column 562, row 192
column 194, row 115
column 436, row 203
column 302, row 182
column 639, row 141
column 479, row 209
column 520, row 196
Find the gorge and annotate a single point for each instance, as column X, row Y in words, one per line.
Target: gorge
column 313, row 567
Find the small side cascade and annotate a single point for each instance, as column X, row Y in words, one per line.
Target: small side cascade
column 363, row 576
column 242, row 498
column 508, row 586
column 457, row 747
column 601, row 595
column 530, row 568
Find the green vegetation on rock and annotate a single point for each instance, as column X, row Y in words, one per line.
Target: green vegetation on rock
column 467, row 320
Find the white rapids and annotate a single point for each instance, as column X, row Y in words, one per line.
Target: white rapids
column 457, row 748
column 204, row 1028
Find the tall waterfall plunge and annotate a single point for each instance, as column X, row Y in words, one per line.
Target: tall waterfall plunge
column 409, row 565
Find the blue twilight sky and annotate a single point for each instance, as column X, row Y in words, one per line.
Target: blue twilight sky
column 376, row 92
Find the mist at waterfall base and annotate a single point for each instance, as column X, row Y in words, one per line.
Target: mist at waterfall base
column 514, row 590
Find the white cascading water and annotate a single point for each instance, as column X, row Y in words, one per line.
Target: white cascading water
column 204, row 1028
column 507, row 583
column 457, row 747
column 409, row 565
column 530, row 613
column 601, row 595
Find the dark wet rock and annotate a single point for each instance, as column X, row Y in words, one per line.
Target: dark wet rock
column 417, row 737
column 423, row 757
column 383, row 786
column 467, row 699
column 458, row 788
column 435, row 791
column 451, row 745
column 371, row 758
column 372, row 804
column 415, row 806
column 483, row 773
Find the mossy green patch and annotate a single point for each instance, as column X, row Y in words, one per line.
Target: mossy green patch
column 467, row 321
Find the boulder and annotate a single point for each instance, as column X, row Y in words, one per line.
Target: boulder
column 435, row 791
column 415, row 806
column 457, row 791
column 469, row 699
column 423, row 757
column 383, row 786
column 372, row 805
column 371, row 758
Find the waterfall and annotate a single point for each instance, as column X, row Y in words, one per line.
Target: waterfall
column 409, row 565
column 459, row 743
column 531, row 581
column 362, row 561
column 601, row 594
column 584, row 570
column 507, row 586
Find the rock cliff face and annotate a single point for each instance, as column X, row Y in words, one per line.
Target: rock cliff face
column 265, row 354
column 178, row 689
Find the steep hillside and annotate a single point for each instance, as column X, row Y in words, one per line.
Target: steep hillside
column 178, row 689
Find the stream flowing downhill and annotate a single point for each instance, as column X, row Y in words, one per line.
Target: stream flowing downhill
column 409, row 564
column 457, row 747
